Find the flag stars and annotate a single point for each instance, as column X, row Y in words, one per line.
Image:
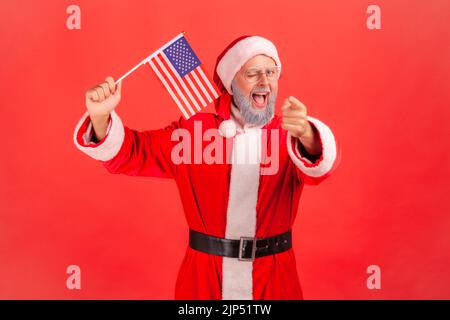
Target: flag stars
column 182, row 57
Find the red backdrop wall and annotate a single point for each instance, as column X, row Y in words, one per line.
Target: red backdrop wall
column 383, row 92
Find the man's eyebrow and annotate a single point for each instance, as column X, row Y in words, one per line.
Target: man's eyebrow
column 260, row 67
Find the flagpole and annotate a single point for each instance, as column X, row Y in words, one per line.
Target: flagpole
column 131, row 71
column 150, row 57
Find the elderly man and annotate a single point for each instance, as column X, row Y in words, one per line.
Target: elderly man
column 240, row 217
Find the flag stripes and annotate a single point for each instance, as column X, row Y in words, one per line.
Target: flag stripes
column 190, row 92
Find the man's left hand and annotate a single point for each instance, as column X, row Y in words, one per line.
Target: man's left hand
column 294, row 119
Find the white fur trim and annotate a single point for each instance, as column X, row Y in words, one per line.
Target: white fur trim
column 227, row 128
column 328, row 151
column 237, row 279
column 109, row 148
column 240, row 53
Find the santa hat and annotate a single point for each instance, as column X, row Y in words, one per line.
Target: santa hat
column 229, row 62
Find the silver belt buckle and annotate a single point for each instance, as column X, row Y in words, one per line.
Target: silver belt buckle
column 241, row 248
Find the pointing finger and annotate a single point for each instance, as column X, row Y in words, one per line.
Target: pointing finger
column 285, row 105
column 290, row 112
column 297, row 103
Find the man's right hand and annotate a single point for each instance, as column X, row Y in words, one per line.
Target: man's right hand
column 100, row 102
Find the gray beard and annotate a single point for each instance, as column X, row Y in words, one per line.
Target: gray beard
column 250, row 114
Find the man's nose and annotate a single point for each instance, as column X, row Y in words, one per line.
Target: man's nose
column 263, row 79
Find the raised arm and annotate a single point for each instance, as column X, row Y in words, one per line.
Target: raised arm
column 101, row 134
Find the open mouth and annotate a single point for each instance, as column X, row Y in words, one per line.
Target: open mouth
column 260, row 99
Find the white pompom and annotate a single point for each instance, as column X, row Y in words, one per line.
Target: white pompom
column 227, row 129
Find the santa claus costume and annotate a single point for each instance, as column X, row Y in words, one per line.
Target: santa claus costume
column 240, row 240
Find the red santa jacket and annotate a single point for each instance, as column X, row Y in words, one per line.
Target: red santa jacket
column 245, row 202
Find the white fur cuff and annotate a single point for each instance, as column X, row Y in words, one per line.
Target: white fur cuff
column 106, row 149
column 325, row 163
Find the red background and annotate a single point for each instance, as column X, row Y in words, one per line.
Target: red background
column 383, row 92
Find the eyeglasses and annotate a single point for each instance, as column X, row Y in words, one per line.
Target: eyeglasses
column 254, row 75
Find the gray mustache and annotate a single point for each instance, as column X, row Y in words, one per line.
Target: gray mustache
column 261, row 89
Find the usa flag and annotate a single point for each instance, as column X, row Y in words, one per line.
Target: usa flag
column 180, row 71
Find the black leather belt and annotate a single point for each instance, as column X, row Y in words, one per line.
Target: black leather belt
column 245, row 249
